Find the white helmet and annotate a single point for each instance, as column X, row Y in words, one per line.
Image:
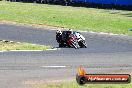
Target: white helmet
column 58, row 32
column 71, row 31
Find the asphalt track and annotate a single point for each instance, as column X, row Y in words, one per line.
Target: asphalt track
column 105, row 54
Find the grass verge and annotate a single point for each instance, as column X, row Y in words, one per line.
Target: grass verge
column 73, row 84
column 88, row 19
column 6, row 45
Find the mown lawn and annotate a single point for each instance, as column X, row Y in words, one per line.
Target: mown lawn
column 79, row 18
column 7, row 45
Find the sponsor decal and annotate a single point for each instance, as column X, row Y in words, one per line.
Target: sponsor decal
column 82, row 77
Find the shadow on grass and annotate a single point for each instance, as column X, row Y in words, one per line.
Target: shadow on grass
column 114, row 12
column 127, row 14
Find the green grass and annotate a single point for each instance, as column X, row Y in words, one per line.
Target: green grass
column 79, row 18
column 73, row 84
column 21, row 46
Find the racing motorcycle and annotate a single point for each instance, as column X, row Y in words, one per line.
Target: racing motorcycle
column 73, row 41
column 81, row 40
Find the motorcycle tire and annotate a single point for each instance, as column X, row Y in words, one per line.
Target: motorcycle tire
column 83, row 44
column 75, row 45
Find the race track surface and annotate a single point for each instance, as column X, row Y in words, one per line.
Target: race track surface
column 105, row 54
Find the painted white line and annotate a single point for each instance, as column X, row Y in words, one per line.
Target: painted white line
column 91, row 32
column 2, row 51
column 28, row 50
column 103, row 33
column 54, row 66
column 51, row 49
column 54, row 49
column 25, row 50
column 20, row 50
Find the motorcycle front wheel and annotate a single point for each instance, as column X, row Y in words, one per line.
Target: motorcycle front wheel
column 83, row 44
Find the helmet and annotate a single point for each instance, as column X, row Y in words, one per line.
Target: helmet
column 58, row 32
column 70, row 31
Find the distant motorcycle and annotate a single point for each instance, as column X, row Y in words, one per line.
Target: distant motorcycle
column 74, row 39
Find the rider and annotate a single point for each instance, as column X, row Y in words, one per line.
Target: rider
column 59, row 36
column 62, row 37
column 68, row 33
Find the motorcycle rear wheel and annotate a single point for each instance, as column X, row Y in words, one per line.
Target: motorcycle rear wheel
column 75, row 45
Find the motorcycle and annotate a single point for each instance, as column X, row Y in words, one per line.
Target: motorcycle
column 75, row 40
column 72, row 41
